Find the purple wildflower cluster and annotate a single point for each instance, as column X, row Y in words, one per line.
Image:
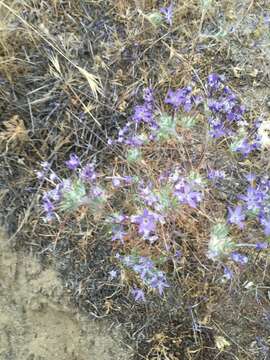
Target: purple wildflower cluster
column 157, row 199
column 226, row 116
column 181, row 98
column 185, row 191
column 255, row 204
column 223, row 109
column 145, row 268
column 68, row 193
column 143, row 114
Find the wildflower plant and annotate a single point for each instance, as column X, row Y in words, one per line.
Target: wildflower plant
column 152, row 197
column 68, row 194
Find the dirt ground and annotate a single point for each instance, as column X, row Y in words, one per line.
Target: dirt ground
column 38, row 323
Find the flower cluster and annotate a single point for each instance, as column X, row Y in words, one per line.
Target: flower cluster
column 68, row 194
column 255, row 204
column 152, row 201
column 146, row 269
column 226, row 117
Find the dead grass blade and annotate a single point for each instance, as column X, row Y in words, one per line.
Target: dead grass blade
column 93, row 80
column 14, row 131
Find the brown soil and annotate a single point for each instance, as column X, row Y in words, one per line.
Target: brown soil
column 38, row 323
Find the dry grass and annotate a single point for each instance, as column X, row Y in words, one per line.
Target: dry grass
column 70, row 73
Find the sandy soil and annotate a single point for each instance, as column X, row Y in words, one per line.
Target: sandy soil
column 38, row 323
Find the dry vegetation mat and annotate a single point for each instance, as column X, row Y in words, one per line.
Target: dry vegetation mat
column 135, row 142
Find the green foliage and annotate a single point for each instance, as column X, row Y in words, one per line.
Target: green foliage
column 134, row 155
column 167, row 127
column 187, row 122
column 155, row 18
column 220, row 243
column 74, row 197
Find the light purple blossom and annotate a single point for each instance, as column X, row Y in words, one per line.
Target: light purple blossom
column 147, row 195
column 265, row 222
column 253, row 199
column 143, row 113
column 54, row 177
column 236, row 216
column 48, row 207
column 228, row 274
column 40, row 175
column 138, row 294
column 147, row 271
column 245, row 148
column 214, row 81
column 215, row 174
column 113, row 274
column 45, row 165
column 148, row 95
column 118, row 234
column 88, row 173
column 239, row 258
column 185, row 194
column 146, row 222
column 180, row 97
column 73, row 163
column 116, row 182
column 159, row 282
column 261, row 246
column 251, row 177
column 168, row 13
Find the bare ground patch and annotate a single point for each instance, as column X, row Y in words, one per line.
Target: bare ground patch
column 37, row 321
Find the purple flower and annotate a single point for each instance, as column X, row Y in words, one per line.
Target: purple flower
column 168, row 13
column 148, row 95
column 40, row 175
column 118, row 218
column 239, row 258
column 147, row 271
column 116, row 182
column 97, row 192
column 253, row 198
column 138, row 294
column 215, row 174
column 217, row 128
column 119, row 234
column 128, row 179
column 214, row 81
column 113, row 274
column 143, row 113
column 56, row 193
column 179, row 98
column 251, row 177
column 147, row 195
column 88, row 173
column 45, row 165
column 134, row 141
column 48, row 207
column 159, row 282
column 236, row 216
column 54, row 177
column 228, row 274
column 245, row 147
column 261, row 246
column 186, row 195
column 266, row 224
column 146, row 222
column 73, row 163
